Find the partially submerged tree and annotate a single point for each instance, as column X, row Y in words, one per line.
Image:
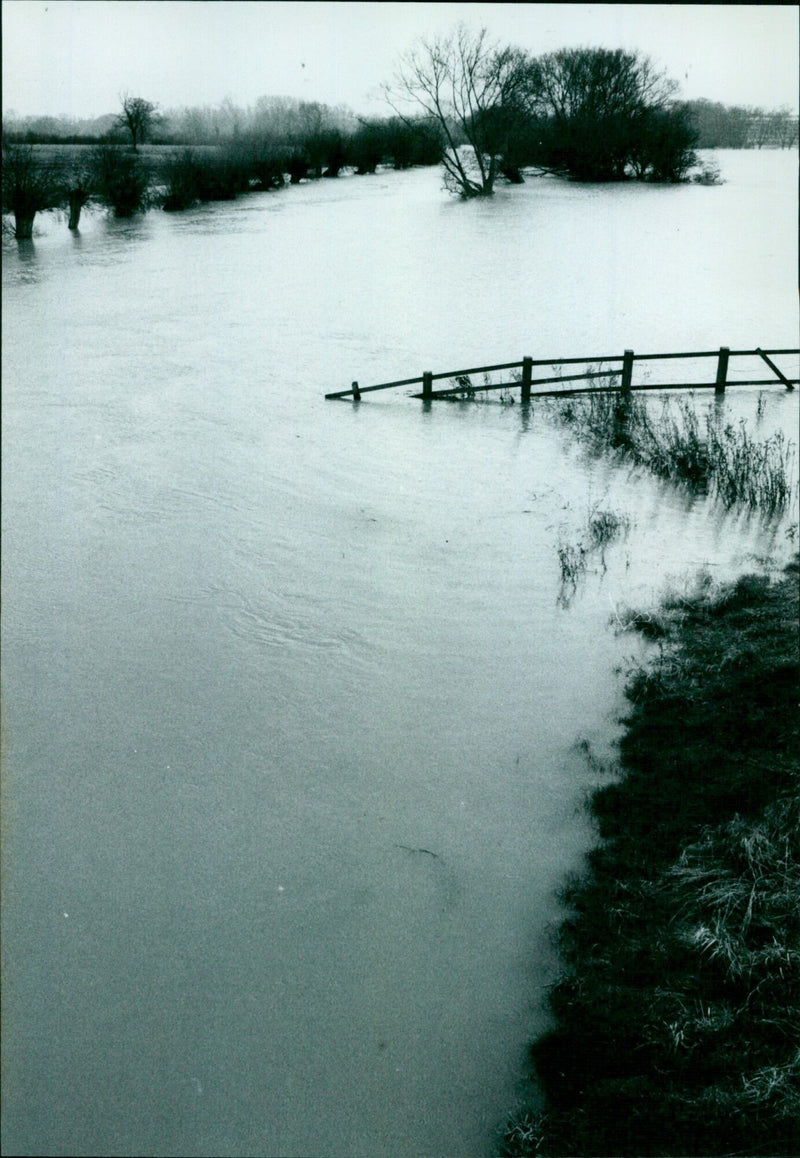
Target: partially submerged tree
column 29, row 186
column 367, row 146
column 664, row 150
column 76, row 188
column 396, row 141
column 462, row 82
column 592, row 114
column 78, row 194
column 602, row 115
column 138, row 117
column 121, row 180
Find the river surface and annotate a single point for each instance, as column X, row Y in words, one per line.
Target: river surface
column 293, row 694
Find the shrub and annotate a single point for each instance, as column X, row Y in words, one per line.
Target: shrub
column 366, row 147
column 221, row 179
column 255, row 162
column 121, row 179
column 708, row 174
column 182, row 179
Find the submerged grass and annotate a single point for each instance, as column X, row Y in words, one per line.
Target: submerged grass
column 724, row 460
column 602, row 528
column 678, row 1016
column 463, row 389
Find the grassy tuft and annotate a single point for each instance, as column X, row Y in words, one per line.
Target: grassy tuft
column 572, row 560
column 602, row 528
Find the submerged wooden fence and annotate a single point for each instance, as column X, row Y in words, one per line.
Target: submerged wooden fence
column 465, row 387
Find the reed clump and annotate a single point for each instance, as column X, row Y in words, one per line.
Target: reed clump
column 724, row 460
column 677, row 1019
column 602, row 527
column 571, row 560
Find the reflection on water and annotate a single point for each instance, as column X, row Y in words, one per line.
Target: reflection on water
column 292, row 705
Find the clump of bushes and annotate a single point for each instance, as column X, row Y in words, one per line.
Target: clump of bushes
column 191, row 178
column 708, row 173
column 182, row 181
column 677, row 1020
column 121, row 180
column 221, row 179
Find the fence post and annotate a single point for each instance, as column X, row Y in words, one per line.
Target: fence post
column 356, row 392
column 527, row 374
column 427, row 385
column 722, row 369
column 627, row 370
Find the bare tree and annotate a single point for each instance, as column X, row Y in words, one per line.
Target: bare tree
column 460, row 81
column 138, row 117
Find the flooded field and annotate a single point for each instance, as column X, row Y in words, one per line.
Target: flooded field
column 293, row 696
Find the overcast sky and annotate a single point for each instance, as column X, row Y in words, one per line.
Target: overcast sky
column 74, row 57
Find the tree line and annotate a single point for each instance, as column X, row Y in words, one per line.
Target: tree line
column 718, row 125
column 721, row 126
column 285, row 120
column 485, row 111
column 121, row 178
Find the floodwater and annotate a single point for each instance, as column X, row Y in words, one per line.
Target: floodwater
column 293, row 697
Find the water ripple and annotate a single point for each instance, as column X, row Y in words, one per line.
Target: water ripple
column 279, row 621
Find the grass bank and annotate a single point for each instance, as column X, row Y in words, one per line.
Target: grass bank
column 677, row 1018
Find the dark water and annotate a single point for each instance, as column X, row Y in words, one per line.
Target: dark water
column 292, row 694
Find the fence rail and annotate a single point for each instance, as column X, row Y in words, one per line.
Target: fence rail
column 526, row 381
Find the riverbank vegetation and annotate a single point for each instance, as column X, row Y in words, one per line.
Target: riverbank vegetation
column 719, row 126
column 677, row 1019
column 715, row 457
column 578, row 551
column 485, row 111
column 111, row 175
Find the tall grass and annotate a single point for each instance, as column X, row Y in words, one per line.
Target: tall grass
column 724, row 460
column 746, row 471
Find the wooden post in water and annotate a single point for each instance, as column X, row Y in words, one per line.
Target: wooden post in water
column 527, row 374
column 772, row 366
column 427, row 385
column 356, row 392
column 722, row 369
column 627, row 370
